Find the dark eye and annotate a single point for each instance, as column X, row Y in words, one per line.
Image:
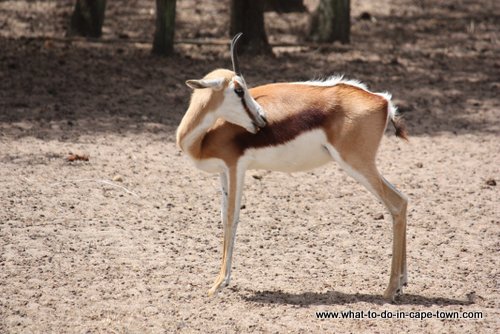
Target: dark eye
column 239, row 91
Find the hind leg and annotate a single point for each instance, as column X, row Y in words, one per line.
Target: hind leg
column 365, row 172
column 396, row 204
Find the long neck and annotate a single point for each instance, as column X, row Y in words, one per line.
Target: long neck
column 199, row 118
column 192, row 130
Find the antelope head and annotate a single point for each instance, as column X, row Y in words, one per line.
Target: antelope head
column 226, row 95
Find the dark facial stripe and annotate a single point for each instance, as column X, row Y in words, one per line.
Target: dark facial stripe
column 282, row 131
column 249, row 113
column 243, row 102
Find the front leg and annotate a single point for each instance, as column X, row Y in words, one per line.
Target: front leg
column 232, row 186
column 224, row 192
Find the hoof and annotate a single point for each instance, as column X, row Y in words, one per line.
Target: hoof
column 212, row 292
column 393, row 296
column 390, row 296
column 218, row 285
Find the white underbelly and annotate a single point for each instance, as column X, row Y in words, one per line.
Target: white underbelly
column 305, row 152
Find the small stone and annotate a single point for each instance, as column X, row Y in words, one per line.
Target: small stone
column 491, row 182
column 118, row 178
column 380, row 216
column 420, row 165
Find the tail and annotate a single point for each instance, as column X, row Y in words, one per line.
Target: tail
column 400, row 126
column 397, row 121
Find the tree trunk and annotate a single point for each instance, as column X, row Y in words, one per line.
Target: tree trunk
column 284, row 6
column 331, row 21
column 87, row 18
column 163, row 43
column 247, row 16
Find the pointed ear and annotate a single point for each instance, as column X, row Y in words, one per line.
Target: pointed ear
column 216, row 84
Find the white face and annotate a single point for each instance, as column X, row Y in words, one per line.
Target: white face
column 238, row 106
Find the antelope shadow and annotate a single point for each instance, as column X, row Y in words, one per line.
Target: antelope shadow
column 341, row 298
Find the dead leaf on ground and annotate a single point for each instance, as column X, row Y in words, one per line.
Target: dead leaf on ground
column 77, row 157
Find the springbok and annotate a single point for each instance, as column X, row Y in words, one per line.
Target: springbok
column 229, row 128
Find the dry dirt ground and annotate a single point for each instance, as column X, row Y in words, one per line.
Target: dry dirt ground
column 130, row 240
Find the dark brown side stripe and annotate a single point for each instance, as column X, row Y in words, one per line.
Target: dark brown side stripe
column 280, row 132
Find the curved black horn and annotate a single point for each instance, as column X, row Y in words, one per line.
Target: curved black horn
column 234, row 56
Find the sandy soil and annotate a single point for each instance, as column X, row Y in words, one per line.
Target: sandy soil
column 130, row 241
